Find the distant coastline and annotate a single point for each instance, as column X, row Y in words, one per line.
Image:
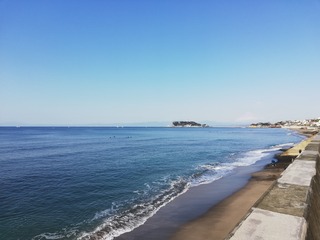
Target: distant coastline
column 313, row 124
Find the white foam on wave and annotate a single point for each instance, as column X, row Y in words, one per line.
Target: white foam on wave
column 251, row 157
column 71, row 233
column 284, row 145
column 105, row 213
column 117, row 225
column 115, row 221
column 48, row 236
column 211, row 173
column 216, row 167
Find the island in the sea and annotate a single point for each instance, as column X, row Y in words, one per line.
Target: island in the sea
column 188, row 124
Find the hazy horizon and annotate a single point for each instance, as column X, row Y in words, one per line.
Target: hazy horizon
column 81, row 62
column 128, row 124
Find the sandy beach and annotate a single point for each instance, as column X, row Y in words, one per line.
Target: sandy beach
column 221, row 219
column 194, row 204
column 211, row 211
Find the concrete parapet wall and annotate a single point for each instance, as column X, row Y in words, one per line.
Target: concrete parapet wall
column 313, row 210
column 316, row 138
column 300, row 173
column 309, row 155
column 313, row 146
column 291, row 209
column 262, row 224
column 313, row 214
column 286, row 199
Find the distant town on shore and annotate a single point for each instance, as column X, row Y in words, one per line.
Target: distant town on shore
column 304, row 124
column 312, row 124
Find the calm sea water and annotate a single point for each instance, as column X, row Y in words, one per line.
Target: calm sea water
column 97, row 183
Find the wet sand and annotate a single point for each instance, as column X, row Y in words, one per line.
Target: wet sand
column 223, row 217
column 179, row 216
column 211, row 211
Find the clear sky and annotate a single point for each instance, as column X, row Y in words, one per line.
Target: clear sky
column 124, row 61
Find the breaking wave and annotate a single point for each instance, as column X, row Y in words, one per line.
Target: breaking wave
column 125, row 216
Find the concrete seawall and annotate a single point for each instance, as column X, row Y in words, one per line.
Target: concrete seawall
column 313, row 210
column 291, row 207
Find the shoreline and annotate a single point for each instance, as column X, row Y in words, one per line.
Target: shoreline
column 222, row 218
column 211, row 211
column 195, row 203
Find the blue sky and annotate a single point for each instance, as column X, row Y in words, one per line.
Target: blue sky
column 121, row 61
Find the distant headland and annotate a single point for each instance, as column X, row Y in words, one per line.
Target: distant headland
column 302, row 124
column 188, row 124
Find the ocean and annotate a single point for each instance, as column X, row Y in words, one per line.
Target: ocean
column 100, row 182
